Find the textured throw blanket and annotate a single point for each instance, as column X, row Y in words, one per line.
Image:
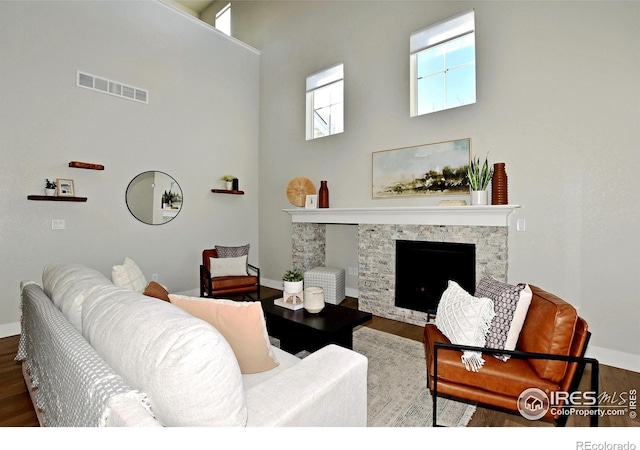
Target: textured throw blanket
column 74, row 385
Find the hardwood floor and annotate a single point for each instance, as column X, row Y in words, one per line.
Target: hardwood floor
column 16, row 409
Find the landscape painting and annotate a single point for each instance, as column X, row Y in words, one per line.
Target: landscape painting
column 429, row 169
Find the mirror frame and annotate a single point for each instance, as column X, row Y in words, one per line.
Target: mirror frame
column 150, row 193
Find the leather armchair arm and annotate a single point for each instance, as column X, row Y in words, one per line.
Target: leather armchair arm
column 205, row 281
column 256, row 270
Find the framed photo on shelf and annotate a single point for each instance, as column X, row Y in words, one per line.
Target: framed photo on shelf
column 311, row 202
column 65, row 187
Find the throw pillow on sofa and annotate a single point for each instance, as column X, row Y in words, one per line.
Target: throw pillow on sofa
column 511, row 304
column 464, row 320
column 241, row 323
column 128, row 275
column 156, row 290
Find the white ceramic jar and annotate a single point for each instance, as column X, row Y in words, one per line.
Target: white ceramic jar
column 314, row 299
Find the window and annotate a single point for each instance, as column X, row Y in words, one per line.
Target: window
column 223, row 20
column 443, row 65
column 325, row 102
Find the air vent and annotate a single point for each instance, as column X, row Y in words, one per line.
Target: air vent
column 95, row 83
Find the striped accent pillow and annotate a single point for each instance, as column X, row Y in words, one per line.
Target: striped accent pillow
column 511, row 304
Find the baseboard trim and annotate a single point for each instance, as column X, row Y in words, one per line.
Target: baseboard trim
column 614, row 358
column 9, row 329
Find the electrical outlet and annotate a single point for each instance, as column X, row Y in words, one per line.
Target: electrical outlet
column 521, row 225
column 353, row 271
column 57, row 224
column 154, row 277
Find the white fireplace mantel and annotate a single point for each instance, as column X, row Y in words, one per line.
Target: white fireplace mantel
column 492, row 215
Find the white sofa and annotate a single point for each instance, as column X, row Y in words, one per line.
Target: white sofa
column 100, row 355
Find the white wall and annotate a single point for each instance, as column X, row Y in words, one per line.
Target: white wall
column 201, row 122
column 558, row 97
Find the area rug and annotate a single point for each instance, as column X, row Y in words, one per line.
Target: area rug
column 397, row 394
column 397, row 386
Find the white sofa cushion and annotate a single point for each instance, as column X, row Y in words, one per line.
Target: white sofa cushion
column 68, row 285
column 285, row 361
column 185, row 366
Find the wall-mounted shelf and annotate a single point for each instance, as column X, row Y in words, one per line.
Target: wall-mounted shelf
column 84, row 165
column 227, row 191
column 56, row 198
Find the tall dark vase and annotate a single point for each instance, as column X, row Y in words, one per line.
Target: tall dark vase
column 499, row 188
column 323, row 197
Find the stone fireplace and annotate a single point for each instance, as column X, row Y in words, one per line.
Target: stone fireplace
column 379, row 229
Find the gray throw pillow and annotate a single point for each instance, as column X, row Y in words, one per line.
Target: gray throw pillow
column 232, row 252
column 511, row 304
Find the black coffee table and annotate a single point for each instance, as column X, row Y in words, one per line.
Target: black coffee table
column 301, row 330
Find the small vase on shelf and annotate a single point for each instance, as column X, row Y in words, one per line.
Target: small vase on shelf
column 323, row 195
column 499, row 188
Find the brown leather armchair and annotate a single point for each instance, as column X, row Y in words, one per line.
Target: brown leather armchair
column 549, row 356
column 227, row 285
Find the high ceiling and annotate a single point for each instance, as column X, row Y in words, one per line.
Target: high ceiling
column 196, row 6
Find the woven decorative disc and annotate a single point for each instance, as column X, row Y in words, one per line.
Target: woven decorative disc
column 298, row 189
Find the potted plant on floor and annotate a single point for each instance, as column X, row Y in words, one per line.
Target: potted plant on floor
column 479, row 176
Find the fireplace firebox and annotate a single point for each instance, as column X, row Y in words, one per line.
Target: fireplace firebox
column 424, row 268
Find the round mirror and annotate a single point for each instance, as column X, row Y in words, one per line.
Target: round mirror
column 154, row 197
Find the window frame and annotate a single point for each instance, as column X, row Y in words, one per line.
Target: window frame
column 320, row 80
column 440, row 34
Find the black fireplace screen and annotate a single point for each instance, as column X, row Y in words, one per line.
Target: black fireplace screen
column 424, row 268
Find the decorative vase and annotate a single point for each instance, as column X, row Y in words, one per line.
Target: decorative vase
column 229, row 185
column 234, row 184
column 314, row 299
column 479, row 197
column 293, row 292
column 293, row 287
column 323, row 195
column 50, row 192
column 499, row 188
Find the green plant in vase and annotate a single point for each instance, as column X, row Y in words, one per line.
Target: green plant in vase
column 479, row 175
column 293, row 276
column 49, row 187
column 228, row 179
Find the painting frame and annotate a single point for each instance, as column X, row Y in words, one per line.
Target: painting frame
column 65, row 187
column 433, row 169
